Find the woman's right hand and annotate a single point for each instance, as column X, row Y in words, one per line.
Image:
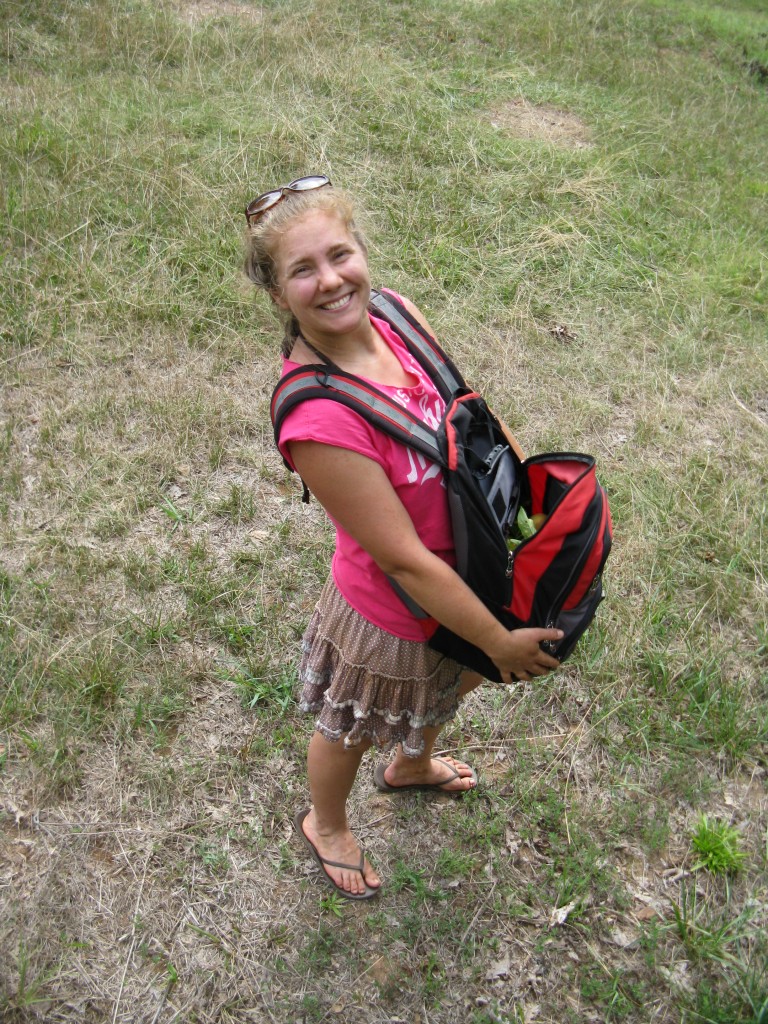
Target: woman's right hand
column 519, row 656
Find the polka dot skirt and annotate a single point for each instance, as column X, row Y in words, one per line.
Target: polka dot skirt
column 364, row 683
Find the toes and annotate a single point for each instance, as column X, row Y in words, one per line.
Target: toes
column 353, row 882
column 349, row 881
column 371, row 878
column 460, row 784
column 356, row 883
column 465, row 778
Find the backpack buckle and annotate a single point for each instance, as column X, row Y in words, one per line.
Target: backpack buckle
column 493, row 456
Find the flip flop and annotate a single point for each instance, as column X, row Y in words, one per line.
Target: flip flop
column 384, row 786
column 298, row 824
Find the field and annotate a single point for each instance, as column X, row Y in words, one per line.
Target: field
column 575, row 193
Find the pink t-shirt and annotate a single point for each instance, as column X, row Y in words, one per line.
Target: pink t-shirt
column 417, row 481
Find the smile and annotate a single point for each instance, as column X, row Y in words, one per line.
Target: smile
column 338, row 303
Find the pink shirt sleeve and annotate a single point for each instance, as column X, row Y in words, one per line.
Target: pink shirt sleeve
column 331, row 423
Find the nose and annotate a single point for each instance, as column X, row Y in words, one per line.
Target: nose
column 328, row 277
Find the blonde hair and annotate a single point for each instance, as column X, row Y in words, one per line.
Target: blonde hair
column 263, row 237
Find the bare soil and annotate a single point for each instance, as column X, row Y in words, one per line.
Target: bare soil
column 522, row 119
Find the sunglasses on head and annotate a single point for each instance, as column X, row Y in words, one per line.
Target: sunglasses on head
column 267, row 200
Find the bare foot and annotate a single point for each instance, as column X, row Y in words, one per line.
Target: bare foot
column 444, row 773
column 342, row 848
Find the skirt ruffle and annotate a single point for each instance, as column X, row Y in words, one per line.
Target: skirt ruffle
column 363, row 683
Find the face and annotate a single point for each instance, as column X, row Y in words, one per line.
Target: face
column 322, row 276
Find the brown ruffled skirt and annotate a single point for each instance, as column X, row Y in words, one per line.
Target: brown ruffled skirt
column 364, row 683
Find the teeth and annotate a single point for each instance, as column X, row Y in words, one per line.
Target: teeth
column 337, row 304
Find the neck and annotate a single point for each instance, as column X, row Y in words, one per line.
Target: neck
column 346, row 350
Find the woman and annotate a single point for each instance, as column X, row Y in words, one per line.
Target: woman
column 366, row 670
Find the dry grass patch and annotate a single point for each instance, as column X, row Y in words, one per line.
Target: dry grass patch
column 169, row 884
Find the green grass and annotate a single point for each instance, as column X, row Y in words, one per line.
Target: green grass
column 717, row 846
column 575, row 194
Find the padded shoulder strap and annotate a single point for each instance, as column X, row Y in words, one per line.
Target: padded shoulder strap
column 421, row 345
column 377, row 408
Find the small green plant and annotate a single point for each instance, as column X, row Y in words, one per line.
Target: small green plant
column 413, row 880
column 155, row 631
column 616, row 992
column 238, row 635
column 317, row 952
column 452, row 864
column 312, row 1009
column 267, row 690
column 239, row 505
column 176, row 515
column 29, row 989
column 333, row 903
column 718, row 846
column 707, row 932
column 215, row 859
column 155, row 711
column 730, row 1007
column 434, row 978
column 173, row 975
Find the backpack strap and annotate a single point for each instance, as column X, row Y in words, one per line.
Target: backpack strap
column 419, row 343
column 377, row 408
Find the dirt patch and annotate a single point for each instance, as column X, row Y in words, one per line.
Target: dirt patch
column 532, row 121
column 760, row 408
column 195, row 11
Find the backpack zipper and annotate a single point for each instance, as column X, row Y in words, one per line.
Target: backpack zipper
column 575, row 572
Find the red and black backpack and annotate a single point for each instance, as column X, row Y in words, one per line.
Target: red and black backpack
column 553, row 579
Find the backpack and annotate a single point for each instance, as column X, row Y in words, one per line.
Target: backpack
column 552, row 579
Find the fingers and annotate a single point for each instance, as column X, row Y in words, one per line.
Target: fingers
column 548, row 661
column 528, row 660
column 549, row 634
column 544, row 670
column 538, row 665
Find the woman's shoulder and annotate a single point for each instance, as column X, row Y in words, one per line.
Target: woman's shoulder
column 390, row 293
column 329, row 422
column 411, row 307
column 288, row 364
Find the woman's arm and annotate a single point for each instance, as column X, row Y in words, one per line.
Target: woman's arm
column 357, row 493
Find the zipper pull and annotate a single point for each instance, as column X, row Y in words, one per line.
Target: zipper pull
column 550, row 646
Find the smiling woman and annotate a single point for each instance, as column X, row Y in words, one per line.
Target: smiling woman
column 322, row 279
column 265, row 233
column 366, row 671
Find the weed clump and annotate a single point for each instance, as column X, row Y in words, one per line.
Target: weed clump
column 718, row 846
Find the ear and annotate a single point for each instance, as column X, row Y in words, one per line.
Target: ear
column 277, row 297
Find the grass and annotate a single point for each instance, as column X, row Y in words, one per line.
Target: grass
column 575, row 194
column 718, row 846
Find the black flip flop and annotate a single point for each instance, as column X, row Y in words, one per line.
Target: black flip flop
column 298, row 824
column 384, row 786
